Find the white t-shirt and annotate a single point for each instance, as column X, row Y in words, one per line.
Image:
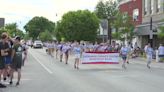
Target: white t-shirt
column 66, row 48
column 124, row 51
column 161, row 50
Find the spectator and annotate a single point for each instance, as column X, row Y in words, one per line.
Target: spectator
column 161, row 52
column 149, row 54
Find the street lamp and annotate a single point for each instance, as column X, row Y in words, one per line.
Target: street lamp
column 104, row 25
column 152, row 31
column 110, row 29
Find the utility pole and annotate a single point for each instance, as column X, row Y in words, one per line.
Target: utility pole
column 151, row 32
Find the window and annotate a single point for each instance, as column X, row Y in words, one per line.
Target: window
column 151, row 6
column 135, row 14
column 145, row 7
column 158, row 5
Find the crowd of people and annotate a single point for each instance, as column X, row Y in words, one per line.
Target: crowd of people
column 11, row 59
column 13, row 53
column 126, row 51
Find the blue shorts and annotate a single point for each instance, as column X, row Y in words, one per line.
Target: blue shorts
column 7, row 60
column 124, row 57
column 161, row 56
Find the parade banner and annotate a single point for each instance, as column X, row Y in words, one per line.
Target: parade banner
column 100, row 58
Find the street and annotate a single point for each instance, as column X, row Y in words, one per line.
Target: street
column 43, row 73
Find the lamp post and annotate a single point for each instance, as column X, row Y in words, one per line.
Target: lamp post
column 151, row 32
column 110, row 29
column 104, row 25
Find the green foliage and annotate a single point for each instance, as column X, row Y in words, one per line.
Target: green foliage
column 38, row 25
column 78, row 25
column 45, row 36
column 106, row 9
column 58, row 33
column 12, row 30
column 123, row 27
column 161, row 33
column 120, row 21
column 26, row 37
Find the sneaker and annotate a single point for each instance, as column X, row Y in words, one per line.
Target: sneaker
column 75, row 66
column 11, row 82
column 2, row 86
column 17, row 83
column 4, row 78
column 123, row 66
column 148, row 66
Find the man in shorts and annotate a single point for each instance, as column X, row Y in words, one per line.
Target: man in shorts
column 16, row 64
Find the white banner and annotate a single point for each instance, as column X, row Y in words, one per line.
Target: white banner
column 100, row 58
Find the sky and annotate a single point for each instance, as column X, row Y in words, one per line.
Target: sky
column 21, row 11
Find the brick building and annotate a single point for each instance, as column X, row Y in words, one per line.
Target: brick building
column 142, row 11
column 134, row 9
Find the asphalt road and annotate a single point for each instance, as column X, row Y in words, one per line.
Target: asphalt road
column 43, row 73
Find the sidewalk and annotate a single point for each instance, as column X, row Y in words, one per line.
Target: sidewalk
column 140, row 60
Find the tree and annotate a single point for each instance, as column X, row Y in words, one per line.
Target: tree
column 124, row 27
column 161, row 33
column 58, row 33
column 26, row 37
column 12, row 30
column 78, row 25
column 45, row 36
column 38, row 25
column 107, row 10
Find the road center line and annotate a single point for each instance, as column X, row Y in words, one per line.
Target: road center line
column 48, row 70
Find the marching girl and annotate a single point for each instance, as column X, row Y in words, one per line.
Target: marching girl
column 103, row 47
column 96, row 46
column 66, row 49
column 56, row 49
column 59, row 47
column 77, row 52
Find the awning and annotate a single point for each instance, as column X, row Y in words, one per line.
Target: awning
column 144, row 29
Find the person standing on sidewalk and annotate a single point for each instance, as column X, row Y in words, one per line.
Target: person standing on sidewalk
column 3, row 53
column 149, row 54
column 7, row 46
column 161, row 53
column 25, row 51
column 124, row 52
column 17, row 60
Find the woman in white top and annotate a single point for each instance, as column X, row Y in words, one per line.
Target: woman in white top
column 77, row 52
column 124, row 52
column 66, row 48
column 59, row 47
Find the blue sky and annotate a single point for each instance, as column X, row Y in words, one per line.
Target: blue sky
column 21, row 11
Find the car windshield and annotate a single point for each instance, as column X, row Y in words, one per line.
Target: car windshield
column 37, row 42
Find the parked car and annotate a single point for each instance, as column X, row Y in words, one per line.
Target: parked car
column 37, row 44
